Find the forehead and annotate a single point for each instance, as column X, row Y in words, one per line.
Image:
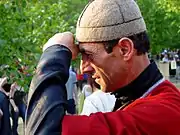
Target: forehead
column 92, row 47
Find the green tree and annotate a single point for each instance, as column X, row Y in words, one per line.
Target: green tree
column 26, row 26
column 163, row 22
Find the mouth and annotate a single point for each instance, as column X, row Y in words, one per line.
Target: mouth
column 95, row 80
column 96, row 77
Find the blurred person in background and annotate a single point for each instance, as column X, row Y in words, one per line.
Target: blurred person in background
column 71, row 92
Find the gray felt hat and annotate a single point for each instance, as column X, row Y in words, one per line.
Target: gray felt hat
column 104, row 20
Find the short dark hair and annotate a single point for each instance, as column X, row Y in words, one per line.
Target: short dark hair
column 140, row 40
column 7, row 87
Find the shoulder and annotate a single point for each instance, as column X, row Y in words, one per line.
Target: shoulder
column 165, row 88
column 164, row 97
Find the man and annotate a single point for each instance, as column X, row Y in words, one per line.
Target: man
column 5, row 127
column 165, row 59
column 18, row 107
column 71, row 92
column 114, row 44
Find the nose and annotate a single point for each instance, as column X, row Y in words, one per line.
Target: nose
column 86, row 67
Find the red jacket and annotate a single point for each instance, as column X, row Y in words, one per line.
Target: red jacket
column 156, row 114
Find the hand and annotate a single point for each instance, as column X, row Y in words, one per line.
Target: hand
column 2, row 82
column 66, row 39
column 16, row 109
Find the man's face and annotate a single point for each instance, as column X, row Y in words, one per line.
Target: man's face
column 104, row 67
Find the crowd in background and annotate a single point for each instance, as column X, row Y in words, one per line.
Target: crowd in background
column 167, row 55
column 12, row 105
column 171, row 57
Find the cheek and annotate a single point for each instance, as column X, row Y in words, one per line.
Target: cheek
column 112, row 71
column 103, row 67
column 105, row 75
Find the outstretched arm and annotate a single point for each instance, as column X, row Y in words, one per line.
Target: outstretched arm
column 14, row 105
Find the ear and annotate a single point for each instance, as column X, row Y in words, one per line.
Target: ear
column 126, row 48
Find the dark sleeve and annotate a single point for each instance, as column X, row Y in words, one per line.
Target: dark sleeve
column 47, row 97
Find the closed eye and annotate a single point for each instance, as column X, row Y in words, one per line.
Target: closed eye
column 88, row 56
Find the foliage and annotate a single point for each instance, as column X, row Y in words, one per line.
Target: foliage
column 26, row 26
column 163, row 22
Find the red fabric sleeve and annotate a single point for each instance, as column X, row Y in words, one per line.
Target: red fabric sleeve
column 154, row 115
column 99, row 124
